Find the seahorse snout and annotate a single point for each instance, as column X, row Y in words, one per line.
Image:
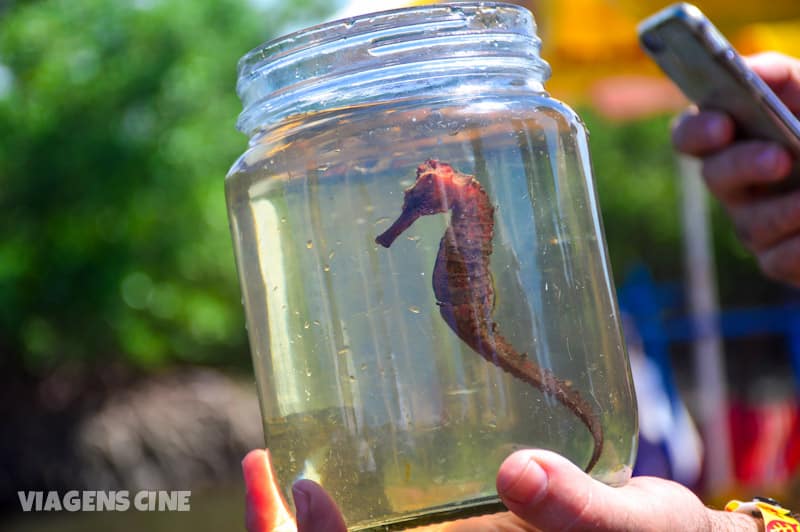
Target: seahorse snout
column 403, row 222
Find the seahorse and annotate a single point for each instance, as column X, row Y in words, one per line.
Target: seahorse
column 463, row 285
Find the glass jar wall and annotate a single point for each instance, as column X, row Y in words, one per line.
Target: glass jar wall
column 422, row 263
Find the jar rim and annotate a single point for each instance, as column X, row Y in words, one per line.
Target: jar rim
column 273, row 49
column 387, row 54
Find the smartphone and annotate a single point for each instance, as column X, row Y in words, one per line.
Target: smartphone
column 704, row 65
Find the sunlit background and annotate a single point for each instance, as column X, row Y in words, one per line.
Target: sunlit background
column 125, row 361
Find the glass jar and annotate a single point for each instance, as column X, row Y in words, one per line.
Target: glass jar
column 423, row 265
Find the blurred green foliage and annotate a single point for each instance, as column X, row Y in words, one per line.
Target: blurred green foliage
column 634, row 168
column 117, row 127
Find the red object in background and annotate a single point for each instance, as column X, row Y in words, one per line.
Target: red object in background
column 766, row 441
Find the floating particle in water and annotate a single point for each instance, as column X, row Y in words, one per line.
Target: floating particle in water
column 326, row 268
column 316, row 322
column 323, row 167
column 382, row 220
column 413, row 238
column 309, row 244
column 344, row 350
column 364, row 367
column 414, row 309
column 306, row 325
column 331, row 254
column 283, row 219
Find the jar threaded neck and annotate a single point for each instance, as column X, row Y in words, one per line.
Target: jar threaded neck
column 389, row 55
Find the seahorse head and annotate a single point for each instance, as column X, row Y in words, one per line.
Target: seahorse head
column 433, row 192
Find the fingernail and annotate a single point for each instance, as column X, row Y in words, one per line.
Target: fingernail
column 521, row 479
column 716, row 129
column 301, row 504
column 768, row 160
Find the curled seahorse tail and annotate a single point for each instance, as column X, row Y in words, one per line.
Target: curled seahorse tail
column 521, row 367
column 504, row 356
column 492, row 346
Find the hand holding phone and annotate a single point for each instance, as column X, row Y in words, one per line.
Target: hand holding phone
column 709, row 71
column 747, row 176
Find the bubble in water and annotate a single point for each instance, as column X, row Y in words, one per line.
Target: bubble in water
column 413, row 238
column 382, row 220
column 414, row 309
column 364, row 367
column 331, row 254
column 326, row 268
column 309, row 244
column 344, row 350
column 306, row 325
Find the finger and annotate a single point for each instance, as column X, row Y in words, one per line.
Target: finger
column 734, row 171
column 702, row 132
column 781, row 73
column 766, row 221
column 551, row 493
column 266, row 509
column 782, row 262
column 316, row 511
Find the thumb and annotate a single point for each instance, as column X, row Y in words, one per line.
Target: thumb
column 545, row 489
column 551, row 493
